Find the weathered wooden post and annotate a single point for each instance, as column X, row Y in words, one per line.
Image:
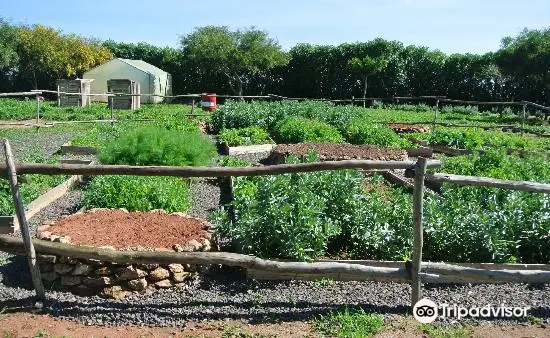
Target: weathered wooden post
column 353, row 100
column 523, row 118
column 435, row 113
column 111, row 109
column 24, row 226
column 418, row 199
column 37, row 109
column 192, row 105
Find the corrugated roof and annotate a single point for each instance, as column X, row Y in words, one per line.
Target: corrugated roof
column 144, row 66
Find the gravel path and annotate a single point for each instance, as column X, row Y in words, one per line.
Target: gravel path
column 44, row 143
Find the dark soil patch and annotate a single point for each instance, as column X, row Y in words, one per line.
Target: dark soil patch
column 122, row 229
column 336, row 152
column 408, row 128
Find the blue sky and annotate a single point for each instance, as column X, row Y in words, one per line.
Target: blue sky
column 475, row 26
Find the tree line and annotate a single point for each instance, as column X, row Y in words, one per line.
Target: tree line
column 248, row 61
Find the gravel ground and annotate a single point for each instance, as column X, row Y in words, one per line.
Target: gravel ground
column 45, row 143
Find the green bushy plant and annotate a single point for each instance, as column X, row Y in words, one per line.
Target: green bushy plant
column 299, row 130
column 361, row 131
column 153, row 145
column 464, row 110
column 137, row 193
column 244, row 136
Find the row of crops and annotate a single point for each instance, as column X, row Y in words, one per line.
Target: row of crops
column 341, row 213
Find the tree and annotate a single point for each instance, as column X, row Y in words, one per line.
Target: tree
column 368, row 66
column 8, row 55
column 237, row 55
column 46, row 55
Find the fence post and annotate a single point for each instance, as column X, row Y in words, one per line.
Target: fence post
column 37, row 109
column 353, row 100
column 435, row 113
column 24, row 226
column 418, row 199
column 523, row 118
column 111, row 109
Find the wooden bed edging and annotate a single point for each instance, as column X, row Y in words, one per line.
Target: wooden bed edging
column 255, row 148
column 397, row 271
column 69, row 148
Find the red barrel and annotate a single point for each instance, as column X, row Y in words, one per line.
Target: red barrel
column 208, row 102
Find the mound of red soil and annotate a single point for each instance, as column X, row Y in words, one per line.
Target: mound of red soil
column 336, row 152
column 121, row 229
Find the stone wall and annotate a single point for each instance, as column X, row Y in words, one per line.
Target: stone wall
column 88, row 277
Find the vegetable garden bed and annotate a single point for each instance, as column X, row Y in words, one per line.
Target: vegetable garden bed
column 117, row 229
column 335, row 152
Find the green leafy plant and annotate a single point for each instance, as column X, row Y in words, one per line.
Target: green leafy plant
column 137, row 193
column 299, row 130
column 349, row 323
column 244, row 136
column 361, row 131
column 153, row 145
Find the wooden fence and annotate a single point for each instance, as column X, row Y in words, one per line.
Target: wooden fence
column 408, row 272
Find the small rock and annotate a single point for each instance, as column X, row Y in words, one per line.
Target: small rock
column 163, row 250
column 45, row 267
column 54, row 238
column 159, row 211
column 62, row 269
column 147, row 267
column 180, row 277
column 164, row 284
column 49, row 276
column 206, row 245
column 67, row 260
column 103, row 271
column 94, row 262
column 175, row 268
column 44, row 235
column 159, row 274
column 46, row 258
column 82, row 269
column 192, row 245
column 138, row 284
column 71, row 280
column 124, row 210
column 106, row 247
column 180, row 214
column 207, row 235
column 65, row 239
column 96, row 281
column 94, row 210
column 129, row 272
column 177, row 248
column 114, row 292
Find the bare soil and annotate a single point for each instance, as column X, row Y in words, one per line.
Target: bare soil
column 408, row 128
column 122, row 229
column 336, row 152
column 18, row 325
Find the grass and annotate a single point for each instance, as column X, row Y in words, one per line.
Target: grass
column 349, row 323
column 435, row 331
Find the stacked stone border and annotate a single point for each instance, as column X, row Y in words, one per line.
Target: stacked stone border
column 88, row 277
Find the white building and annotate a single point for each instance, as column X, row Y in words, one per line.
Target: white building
column 152, row 80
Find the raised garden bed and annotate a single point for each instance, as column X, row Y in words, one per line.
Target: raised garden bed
column 336, row 152
column 240, row 150
column 118, row 229
column 408, row 128
column 69, row 148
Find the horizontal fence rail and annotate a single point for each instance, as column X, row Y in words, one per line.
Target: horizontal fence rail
column 489, row 182
column 79, row 169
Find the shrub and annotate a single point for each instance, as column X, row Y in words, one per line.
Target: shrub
column 463, row 138
column 360, row 131
column 463, row 110
column 137, row 193
column 244, row 136
column 299, row 130
column 154, row 145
